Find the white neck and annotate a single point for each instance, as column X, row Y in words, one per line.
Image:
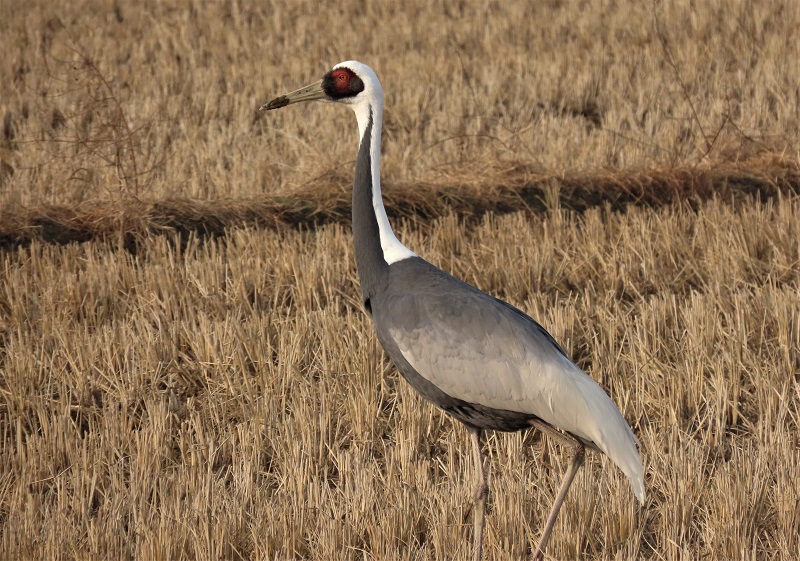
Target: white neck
column 393, row 250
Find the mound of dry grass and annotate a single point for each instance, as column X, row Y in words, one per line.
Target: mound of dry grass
column 129, row 221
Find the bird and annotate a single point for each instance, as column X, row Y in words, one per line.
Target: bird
column 479, row 359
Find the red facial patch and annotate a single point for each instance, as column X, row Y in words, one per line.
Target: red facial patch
column 341, row 80
column 342, row 83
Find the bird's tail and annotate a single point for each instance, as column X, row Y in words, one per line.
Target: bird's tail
column 611, row 433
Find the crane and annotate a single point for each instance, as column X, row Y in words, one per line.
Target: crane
column 481, row 360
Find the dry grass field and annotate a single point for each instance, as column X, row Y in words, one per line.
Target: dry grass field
column 627, row 173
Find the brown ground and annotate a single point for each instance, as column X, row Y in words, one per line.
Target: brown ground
column 196, row 380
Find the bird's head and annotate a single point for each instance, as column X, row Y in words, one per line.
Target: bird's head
column 350, row 82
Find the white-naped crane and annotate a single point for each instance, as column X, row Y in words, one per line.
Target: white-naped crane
column 480, row 359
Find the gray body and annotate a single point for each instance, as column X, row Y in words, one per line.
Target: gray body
column 416, row 305
column 481, row 360
column 415, row 293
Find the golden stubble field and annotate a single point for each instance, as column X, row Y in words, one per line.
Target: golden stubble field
column 190, row 397
column 231, row 401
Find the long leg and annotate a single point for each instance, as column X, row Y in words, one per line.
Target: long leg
column 578, row 456
column 478, row 495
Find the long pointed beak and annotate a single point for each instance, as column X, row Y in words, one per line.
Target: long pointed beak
column 306, row 93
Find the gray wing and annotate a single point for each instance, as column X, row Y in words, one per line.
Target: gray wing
column 481, row 350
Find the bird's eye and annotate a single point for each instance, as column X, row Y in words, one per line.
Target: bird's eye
column 342, row 77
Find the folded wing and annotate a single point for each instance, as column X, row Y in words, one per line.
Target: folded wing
column 481, row 350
